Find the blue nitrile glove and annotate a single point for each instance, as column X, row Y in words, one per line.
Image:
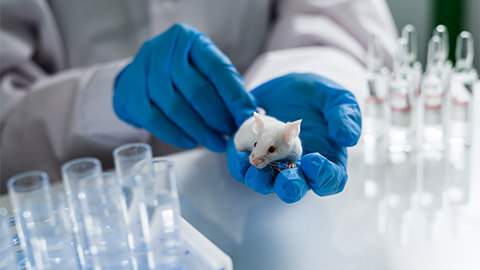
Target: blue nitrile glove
column 331, row 122
column 184, row 90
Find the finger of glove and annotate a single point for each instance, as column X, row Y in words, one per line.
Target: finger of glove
column 131, row 104
column 164, row 95
column 196, row 89
column 125, row 81
column 312, row 143
column 290, row 185
column 237, row 162
column 323, row 176
column 216, row 66
column 260, row 180
column 341, row 111
column 166, row 131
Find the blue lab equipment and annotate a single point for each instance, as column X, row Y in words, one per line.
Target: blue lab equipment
column 331, row 122
column 184, row 90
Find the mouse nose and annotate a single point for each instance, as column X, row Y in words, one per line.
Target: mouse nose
column 258, row 162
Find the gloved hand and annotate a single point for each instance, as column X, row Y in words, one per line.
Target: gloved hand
column 331, row 122
column 184, row 90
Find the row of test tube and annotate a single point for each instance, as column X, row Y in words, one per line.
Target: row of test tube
column 104, row 220
column 429, row 109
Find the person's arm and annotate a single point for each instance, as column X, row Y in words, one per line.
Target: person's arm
column 326, row 37
column 50, row 115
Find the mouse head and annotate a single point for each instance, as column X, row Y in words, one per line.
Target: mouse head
column 273, row 143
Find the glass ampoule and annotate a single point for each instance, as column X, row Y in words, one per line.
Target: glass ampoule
column 433, row 92
column 414, row 68
column 461, row 91
column 375, row 97
column 401, row 128
column 446, row 65
column 409, row 32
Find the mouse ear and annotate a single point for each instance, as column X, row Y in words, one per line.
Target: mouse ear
column 257, row 126
column 291, row 130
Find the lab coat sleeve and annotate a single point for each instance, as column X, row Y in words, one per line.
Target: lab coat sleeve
column 326, row 37
column 50, row 115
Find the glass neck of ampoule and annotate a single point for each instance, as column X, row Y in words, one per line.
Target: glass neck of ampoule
column 441, row 32
column 464, row 52
column 409, row 32
column 434, row 55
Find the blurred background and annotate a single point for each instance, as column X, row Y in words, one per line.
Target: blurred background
column 457, row 15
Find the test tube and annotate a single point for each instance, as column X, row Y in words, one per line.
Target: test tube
column 7, row 256
column 42, row 222
column 104, row 213
column 164, row 222
column 133, row 162
column 133, row 165
column 26, row 191
column 73, row 173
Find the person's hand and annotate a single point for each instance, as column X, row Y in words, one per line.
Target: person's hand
column 331, row 122
column 184, row 90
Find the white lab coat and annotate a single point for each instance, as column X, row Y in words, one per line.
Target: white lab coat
column 58, row 59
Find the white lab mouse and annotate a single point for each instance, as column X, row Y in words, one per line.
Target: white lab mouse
column 269, row 140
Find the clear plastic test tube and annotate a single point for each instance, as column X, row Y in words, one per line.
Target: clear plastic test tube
column 7, row 255
column 75, row 172
column 166, row 241
column 26, row 191
column 104, row 214
column 42, row 222
column 133, row 165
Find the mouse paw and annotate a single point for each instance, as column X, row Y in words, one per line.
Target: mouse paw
column 261, row 111
column 290, row 166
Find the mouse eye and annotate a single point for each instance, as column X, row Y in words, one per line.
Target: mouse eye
column 255, row 144
column 271, row 149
